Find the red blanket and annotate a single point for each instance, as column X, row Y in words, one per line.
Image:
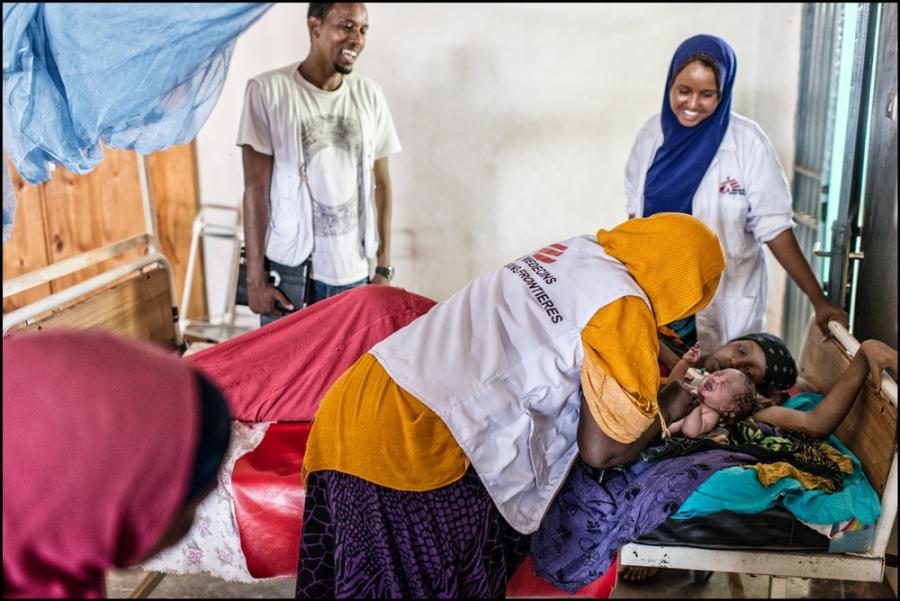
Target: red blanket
column 280, row 372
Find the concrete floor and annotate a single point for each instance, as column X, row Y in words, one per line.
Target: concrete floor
column 669, row 584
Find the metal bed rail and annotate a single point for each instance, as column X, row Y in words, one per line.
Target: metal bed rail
column 71, row 265
column 67, row 266
column 58, row 299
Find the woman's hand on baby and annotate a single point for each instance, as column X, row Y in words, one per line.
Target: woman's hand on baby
column 879, row 356
column 693, row 354
column 677, row 399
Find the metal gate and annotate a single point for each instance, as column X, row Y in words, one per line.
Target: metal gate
column 874, row 292
column 832, row 110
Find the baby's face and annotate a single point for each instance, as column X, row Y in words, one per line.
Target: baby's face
column 719, row 389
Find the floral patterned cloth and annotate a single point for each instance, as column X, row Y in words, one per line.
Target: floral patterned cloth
column 213, row 544
column 596, row 512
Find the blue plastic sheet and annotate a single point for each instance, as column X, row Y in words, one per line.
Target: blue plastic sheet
column 134, row 76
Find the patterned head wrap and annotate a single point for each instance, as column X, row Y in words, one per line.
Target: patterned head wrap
column 781, row 371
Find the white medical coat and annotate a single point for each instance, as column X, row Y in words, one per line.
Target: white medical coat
column 744, row 198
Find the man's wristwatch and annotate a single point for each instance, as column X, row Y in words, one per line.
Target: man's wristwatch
column 387, row 272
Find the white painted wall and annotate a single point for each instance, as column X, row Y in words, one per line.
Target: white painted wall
column 516, row 119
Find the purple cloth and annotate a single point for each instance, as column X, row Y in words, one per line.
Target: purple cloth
column 596, row 512
column 686, row 152
column 361, row 540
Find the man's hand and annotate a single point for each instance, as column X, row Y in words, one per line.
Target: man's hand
column 266, row 299
column 825, row 312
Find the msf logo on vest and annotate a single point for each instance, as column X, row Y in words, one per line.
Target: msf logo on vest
column 548, row 254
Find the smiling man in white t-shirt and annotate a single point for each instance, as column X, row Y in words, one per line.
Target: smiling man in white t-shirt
column 317, row 191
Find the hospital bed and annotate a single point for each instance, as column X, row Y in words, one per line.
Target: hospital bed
column 134, row 298
column 232, row 537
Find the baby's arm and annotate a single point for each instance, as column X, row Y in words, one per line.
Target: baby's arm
column 679, row 371
column 700, row 421
column 690, row 358
column 692, row 424
column 675, row 427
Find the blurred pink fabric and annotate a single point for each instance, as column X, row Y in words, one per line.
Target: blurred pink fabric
column 99, row 440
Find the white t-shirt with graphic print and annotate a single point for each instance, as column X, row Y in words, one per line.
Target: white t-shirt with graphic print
column 338, row 135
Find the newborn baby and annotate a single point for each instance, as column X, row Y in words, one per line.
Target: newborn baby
column 726, row 394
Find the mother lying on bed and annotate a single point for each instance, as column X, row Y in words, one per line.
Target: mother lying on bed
column 777, row 458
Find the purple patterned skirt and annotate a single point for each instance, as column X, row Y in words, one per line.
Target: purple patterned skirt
column 365, row 540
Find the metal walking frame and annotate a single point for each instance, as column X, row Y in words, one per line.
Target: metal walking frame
column 213, row 328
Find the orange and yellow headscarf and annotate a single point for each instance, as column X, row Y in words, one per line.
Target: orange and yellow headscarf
column 676, row 259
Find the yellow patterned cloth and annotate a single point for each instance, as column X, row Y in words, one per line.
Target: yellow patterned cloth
column 770, row 473
column 371, row 428
column 676, row 259
column 619, row 376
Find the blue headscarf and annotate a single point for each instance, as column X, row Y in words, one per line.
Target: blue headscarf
column 686, row 152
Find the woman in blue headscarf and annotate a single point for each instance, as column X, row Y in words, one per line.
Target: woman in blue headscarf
column 698, row 157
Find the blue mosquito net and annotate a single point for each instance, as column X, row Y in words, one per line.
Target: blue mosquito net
column 134, row 76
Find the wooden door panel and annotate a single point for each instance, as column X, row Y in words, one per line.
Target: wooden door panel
column 70, row 214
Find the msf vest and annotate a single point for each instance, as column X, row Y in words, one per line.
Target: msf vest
column 499, row 362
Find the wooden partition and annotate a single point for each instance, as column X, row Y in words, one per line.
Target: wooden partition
column 70, row 214
column 27, row 248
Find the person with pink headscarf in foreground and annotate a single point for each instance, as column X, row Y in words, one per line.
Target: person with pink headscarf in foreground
column 109, row 445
